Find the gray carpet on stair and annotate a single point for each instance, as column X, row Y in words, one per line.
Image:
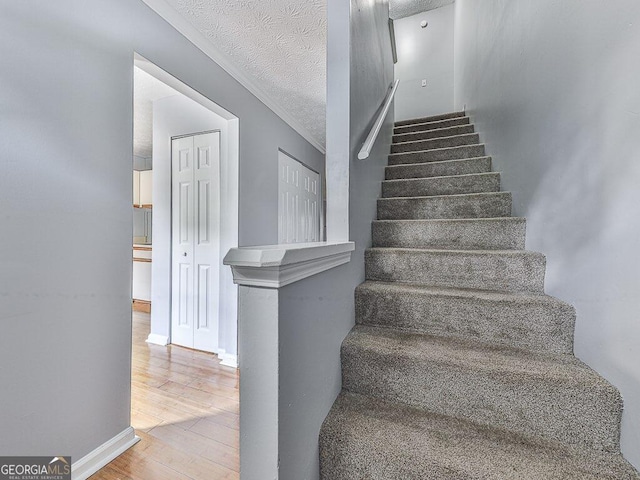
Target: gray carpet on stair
column 505, row 233
column 434, row 125
column 538, row 323
column 439, row 169
column 447, row 185
column 437, row 154
column 459, row 366
column 551, row 397
column 475, row 205
column 366, row 438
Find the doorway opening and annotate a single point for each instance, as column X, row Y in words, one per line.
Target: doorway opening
column 184, row 113
column 183, row 399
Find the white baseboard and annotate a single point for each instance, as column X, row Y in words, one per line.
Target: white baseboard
column 228, row 359
column 156, row 339
column 95, row 460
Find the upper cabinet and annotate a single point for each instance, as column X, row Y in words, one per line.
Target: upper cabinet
column 142, row 188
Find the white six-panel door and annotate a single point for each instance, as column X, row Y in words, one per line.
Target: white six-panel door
column 195, row 241
column 298, row 202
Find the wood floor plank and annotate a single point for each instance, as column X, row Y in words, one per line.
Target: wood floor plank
column 215, row 431
column 184, row 407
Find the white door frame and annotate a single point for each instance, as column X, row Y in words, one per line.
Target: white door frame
column 229, row 227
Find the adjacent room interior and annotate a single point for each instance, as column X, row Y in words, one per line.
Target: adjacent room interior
column 184, row 390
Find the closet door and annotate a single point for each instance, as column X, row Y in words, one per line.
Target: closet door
column 195, row 241
column 298, row 202
column 206, row 247
column 182, row 241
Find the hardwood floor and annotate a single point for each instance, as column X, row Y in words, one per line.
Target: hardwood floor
column 184, row 407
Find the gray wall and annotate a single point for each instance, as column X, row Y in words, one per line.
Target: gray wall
column 553, row 88
column 65, row 201
column 425, row 53
column 317, row 313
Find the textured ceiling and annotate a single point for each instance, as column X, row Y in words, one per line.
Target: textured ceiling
column 405, row 8
column 281, row 44
column 146, row 89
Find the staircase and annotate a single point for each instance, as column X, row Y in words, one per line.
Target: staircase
column 460, row 367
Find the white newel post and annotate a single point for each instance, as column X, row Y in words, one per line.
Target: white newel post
column 260, row 272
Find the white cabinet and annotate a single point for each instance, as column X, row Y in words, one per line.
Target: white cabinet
column 146, row 185
column 142, row 187
column 136, row 187
column 142, row 218
column 142, row 273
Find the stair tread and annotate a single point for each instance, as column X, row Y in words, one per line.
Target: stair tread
column 475, row 356
column 364, row 437
column 459, row 205
column 483, row 182
column 456, row 220
column 441, row 177
column 426, row 126
column 431, row 118
column 446, row 162
column 436, row 131
column 458, row 195
column 538, row 323
column 443, row 251
column 438, row 139
column 454, row 292
column 437, row 154
column 436, row 143
column 431, row 150
column 498, row 233
column 499, row 270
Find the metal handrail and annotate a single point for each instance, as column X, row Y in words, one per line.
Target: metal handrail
column 375, row 130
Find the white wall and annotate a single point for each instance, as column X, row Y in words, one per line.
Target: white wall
column 65, row 202
column 553, row 89
column 424, row 53
column 174, row 116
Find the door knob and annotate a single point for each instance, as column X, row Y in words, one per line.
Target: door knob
column 184, row 254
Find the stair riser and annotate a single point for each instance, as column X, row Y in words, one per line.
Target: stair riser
column 489, row 234
column 446, row 142
column 439, row 155
column 483, row 183
column 501, row 271
column 429, row 134
column 536, row 324
column 445, row 207
column 421, row 127
column 587, row 417
column 440, row 169
column 433, row 118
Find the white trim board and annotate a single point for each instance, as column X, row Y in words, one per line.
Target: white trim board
column 156, row 339
column 192, row 34
column 98, row 458
column 274, row 266
column 227, row 359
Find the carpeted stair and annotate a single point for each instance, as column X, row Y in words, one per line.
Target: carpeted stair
column 460, row 367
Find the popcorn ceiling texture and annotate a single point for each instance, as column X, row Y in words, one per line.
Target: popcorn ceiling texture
column 280, row 43
column 146, row 90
